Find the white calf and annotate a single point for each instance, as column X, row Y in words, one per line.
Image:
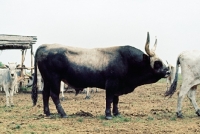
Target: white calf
column 8, row 80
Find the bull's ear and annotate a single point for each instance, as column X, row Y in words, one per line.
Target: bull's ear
column 146, row 58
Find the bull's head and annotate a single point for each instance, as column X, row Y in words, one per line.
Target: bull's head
column 155, row 62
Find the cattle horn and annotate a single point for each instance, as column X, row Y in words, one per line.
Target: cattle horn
column 150, row 53
column 154, row 47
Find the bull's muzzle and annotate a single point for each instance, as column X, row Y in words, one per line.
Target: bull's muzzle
column 167, row 73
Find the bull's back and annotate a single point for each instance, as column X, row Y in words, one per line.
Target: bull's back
column 80, row 58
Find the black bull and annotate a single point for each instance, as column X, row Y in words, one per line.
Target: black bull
column 118, row 70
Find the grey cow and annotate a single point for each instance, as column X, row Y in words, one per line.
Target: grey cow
column 190, row 71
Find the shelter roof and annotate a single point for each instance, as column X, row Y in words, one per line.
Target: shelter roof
column 16, row 41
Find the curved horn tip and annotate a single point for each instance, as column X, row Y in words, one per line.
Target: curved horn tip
column 148, row 38
column 155, row 45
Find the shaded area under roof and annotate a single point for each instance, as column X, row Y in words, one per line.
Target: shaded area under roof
column 16, row 41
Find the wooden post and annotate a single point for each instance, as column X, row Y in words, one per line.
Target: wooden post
column 31, row 59
column 22, row 61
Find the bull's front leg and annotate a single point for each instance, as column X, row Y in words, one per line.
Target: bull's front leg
column 115, row 106
column 108, row 107
column 109, row 100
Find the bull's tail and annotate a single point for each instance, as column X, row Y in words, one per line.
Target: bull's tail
column 172, row 89
column 34, row 94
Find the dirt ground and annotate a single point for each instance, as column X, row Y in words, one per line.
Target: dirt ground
column 145, row 110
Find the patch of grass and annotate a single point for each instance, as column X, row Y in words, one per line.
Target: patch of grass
column 80, row 120
column 72, row 116
column 23, row 89
column 46, row 126
column 55, row 116
column 31, row 126
column 118, row 119
column 106, row 123
column 150, row 118
column 17, row 126
column 26, row 107
column 121, row 119
column 101, row 117
column 173, row 118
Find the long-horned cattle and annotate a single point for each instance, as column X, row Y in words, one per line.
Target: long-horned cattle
column 8, row 80
column 190, row 71
column 118, row 70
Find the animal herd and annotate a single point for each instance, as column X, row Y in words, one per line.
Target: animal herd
column 118, row 70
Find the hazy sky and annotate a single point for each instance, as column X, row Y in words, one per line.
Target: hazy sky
column 102, row 23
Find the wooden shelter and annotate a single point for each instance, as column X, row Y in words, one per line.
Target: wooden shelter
column 19, row 42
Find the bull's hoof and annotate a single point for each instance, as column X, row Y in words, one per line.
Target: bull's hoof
column 179, row 114
column 64, row 116
column 62, row 99
column 12, row 105
column 87, row 97
column 108, row 117
column 198, row 112
column 47, row 114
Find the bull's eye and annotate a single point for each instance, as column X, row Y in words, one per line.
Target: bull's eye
column 157, row 64
column 168, row 68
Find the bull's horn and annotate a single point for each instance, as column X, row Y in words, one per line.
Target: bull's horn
column 154, row 47
column 151, row 54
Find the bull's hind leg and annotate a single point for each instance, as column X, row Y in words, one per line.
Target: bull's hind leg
column 46, row 95
column 55, row 91
column 191, row 96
